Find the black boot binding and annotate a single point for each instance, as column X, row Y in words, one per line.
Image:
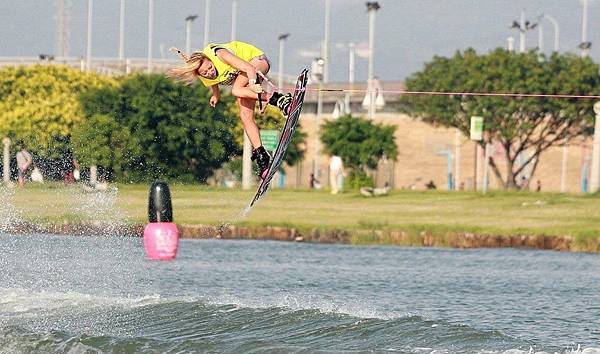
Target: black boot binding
column 281, row 101
column 262, row 158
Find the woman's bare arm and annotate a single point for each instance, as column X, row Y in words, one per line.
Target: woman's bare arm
column 233, row 60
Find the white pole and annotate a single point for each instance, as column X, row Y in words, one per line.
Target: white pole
column 317, row 170
column 188, row 35
column 6, row 165
column 93, row 175
column 522, row 32
column 282, row 39
column 122, row 31
column 351, row 64
column 234, row 6
column 372, row 8
column 486, row 168
column 584, row 51
column 511, row 44
column 150, row 34
column 318, row 69
column 88, row 56
column 206, row 21
column 595, row 173
column 325, row 53
column 540, row 34
column 556, row 31
column 247, row 149
column 563, row 171
column 457, row 176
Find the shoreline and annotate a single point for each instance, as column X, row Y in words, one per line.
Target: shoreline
column 450, row 239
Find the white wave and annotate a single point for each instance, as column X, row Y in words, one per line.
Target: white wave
column 18, row 301
column 296, row 302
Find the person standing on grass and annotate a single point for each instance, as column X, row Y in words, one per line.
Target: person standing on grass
column 24, row 160
column 336, row 174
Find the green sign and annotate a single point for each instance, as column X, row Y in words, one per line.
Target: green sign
column 269, row 139
column 476, row 128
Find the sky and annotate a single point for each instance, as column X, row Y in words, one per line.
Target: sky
column 407, row 33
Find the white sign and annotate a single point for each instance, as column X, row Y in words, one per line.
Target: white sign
column 476, row 128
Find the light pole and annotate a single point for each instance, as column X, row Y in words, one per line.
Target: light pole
column 150, row 34
column 206, row 21
column 317, row 71
column 325, row 54
column 585, row 44
column 372, row 7
column 188, row 33
column 523, row 26
column 122, row 31
column 540, row 33
column 62, row 30
column 351, row 65
column 247, row 148
column 595, row 173
column 281, row 38
column 234, row 6
column 88, row 55
column 556, row 30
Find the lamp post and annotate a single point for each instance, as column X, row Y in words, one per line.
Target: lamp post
column 206, row 21
column 281, row 38
column 188, row 33
column 541, row 31
column 122, row 31
column 234, row 6
column 317, row 71
column 523, row 26
column 88, row 55
column 372, row 7
column 351, row 65
column 150, row 34
column 6, row 165
column 325, row 54
column 595, row 173
column 585, row 44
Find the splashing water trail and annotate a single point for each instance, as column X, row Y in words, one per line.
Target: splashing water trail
column 10, row 216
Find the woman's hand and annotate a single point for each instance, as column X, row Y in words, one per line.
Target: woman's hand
column 213, row 100
column 255, row 87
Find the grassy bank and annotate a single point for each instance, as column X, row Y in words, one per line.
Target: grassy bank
column 437, row 213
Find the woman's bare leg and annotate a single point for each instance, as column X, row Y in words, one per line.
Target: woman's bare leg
column 246, row 99
column 246, row 106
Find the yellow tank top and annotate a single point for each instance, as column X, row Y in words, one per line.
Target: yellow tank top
column 225, row 73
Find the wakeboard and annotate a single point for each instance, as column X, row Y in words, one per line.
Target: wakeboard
column 286, row 135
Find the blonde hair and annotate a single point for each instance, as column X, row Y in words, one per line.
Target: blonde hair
column 188, row 72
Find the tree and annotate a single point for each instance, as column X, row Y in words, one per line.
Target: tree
column 359, row 142
column 39, row 104
column 101, row 140
column 182, row 137
column 519, row 124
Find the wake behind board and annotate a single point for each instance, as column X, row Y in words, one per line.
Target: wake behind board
column 286, row 135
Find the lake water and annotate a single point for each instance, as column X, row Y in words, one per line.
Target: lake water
column 100, row 294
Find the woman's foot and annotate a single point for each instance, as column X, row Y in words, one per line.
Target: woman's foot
column 281, row 101
column 262, row 158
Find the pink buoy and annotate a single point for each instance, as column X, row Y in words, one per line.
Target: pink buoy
column 161, row 236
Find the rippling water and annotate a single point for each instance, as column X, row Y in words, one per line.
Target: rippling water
column 99, row 294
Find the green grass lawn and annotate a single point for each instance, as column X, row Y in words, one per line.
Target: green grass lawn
column 500, row 213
